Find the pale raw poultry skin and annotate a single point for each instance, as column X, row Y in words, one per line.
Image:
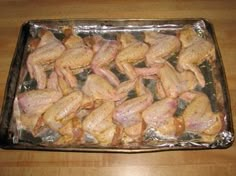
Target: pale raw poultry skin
column 157, row 113
column 127, row 113
column 106, row 53
column 99, row 123
column 162, row 46
column 47, row 51
column 160, row 116
column 37, row 101
column 196, row 50
column 100, row 89
column 73, row 60
column 102, row 108
column 32, row 104
column 65, row 107
column 170, row 83
column 198, row 115
column 131, row 53
column 133, row 134
column 175, row 83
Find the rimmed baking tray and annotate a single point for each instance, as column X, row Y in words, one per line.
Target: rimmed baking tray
column 13, row 138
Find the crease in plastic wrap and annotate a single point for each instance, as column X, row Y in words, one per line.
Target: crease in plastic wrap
column 18, row 131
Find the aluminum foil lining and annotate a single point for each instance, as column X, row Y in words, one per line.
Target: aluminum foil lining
column 13, row 135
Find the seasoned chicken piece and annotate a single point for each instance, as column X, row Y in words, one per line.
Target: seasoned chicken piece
column 198, row 115
column 127, row 113
column 37, row 101
column 52, row 82
column 126, row 39
column 100, row 118
column 172, row 83
column 99, row 123
column 131, row 53
column 105, row 138
column 72, row 40
column 74, row 59
column 160, row 117
column 71, row 132
column 134, row 131
column 47, row 51
column 95, row 42
column 58, row 83
column 188, row 36
column 157, row 113
column 30, row 106
column 105, row 54
column 100, row 89
column 194, row 54
column 132, row 135
column 170, row 80
column 175, row 83
column 63, row 110
column 123, row 90
column 162, row 46
column 127, row 116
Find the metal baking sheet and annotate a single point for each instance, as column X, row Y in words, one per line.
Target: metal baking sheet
column 18, row 81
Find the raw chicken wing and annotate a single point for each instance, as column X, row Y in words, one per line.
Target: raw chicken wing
column 105, row 54
column 74, row 59
column 132, row 53
column 63, row 109
column 198, row 115
column 99, row 123
column 46, row 52
column 162, row 46
column 194, row 54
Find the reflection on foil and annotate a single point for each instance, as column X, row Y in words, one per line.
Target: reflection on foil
column 152, row 138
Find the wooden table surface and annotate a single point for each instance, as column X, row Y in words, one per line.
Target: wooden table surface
column 209, row 162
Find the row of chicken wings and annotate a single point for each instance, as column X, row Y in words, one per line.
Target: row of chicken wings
column 100, row 109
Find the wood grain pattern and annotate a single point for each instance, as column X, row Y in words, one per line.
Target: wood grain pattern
column 209, row 162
